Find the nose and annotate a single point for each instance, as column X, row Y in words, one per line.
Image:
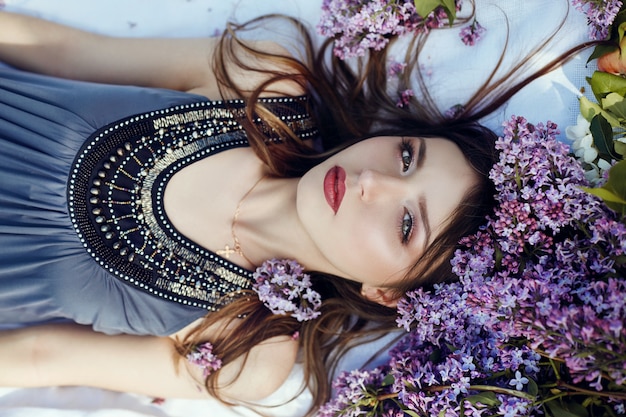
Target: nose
column 376, row 185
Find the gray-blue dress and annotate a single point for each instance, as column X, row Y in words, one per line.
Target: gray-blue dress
column 83, row 233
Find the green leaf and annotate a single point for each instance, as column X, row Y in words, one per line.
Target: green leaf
column 411, row 413
column 602, row 134
column 603, row 83
column 424, row 7
column 388, row 380
column 487, row 398
column 621, row 28
column 616, row 104
column 604, row 194
column 498, row 256
column 620, row 209
column 589, row 110
column 617, row 184
column 566, row 409
column 615, row 38
column 601, row 50
column 533, row 388
column 617, row 23
column 435, row 355
column 617, row 179
column 450, row 8
column 590, row 401
column 614, row 191
column 620, row 148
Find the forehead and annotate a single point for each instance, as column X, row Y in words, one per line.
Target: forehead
column 439, row 151
column 448, row 176
column 383, row 141
column 444, row 151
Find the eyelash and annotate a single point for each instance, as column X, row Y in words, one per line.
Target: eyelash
column 406, row 146
column 406, row 227
column 407, row 155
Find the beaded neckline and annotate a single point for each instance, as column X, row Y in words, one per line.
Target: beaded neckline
column 115, row 197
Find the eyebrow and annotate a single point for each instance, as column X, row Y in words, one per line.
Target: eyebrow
column 424, row 219
column 421, row 156
column 421, row 153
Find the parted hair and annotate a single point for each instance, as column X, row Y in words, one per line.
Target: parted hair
column 351, row 102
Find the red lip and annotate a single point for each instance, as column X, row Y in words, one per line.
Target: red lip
column 335, row 187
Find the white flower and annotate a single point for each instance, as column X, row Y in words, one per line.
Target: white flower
column 604, row 165
column 594, row 171
column 586, row 152
column 580, row 129
column 592, row 174
column 582, row 145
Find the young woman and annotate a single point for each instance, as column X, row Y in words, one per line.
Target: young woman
column 136, row 210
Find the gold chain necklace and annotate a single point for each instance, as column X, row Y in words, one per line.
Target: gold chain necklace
column 227, row 251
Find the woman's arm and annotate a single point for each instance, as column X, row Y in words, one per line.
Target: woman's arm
column 180, row 64
column 61, row 355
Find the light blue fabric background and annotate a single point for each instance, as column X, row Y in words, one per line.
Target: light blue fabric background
column 456, row 71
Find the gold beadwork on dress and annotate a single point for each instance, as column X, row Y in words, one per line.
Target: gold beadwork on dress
column 115, row 197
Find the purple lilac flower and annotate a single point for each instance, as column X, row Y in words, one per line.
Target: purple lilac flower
column 284, row 288
column 405, row 98
column 546, row 274
column 454, row 111
column 513, row 407
column 472, row 33
column 448, row 350
column 519, row 381
column 203, row 357
column 356, row 394
column 395, row 68
column 600, row 15
column 358, row 26
column 551, row 275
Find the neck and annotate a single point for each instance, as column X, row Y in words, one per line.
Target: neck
column 269, row 226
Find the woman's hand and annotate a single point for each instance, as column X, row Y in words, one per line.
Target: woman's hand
column 179, row 64
column 62, row 355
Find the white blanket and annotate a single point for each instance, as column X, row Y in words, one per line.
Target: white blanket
column 553, row 97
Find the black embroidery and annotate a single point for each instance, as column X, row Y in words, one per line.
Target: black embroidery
column 115, row 197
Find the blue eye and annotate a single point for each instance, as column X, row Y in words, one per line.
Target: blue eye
column 407, row 154
column 406, row 227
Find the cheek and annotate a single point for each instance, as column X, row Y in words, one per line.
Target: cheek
column 368, row 255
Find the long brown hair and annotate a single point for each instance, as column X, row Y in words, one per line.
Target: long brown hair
column 351, row 103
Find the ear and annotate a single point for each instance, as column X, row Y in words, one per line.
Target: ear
column 381, row 295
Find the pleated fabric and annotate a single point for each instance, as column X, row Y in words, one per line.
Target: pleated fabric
column 46, row 274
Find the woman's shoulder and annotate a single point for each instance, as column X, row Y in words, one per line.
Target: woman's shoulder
column 263, row 372
column 254, row 376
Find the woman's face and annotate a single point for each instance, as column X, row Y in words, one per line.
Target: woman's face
column 373, row 208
